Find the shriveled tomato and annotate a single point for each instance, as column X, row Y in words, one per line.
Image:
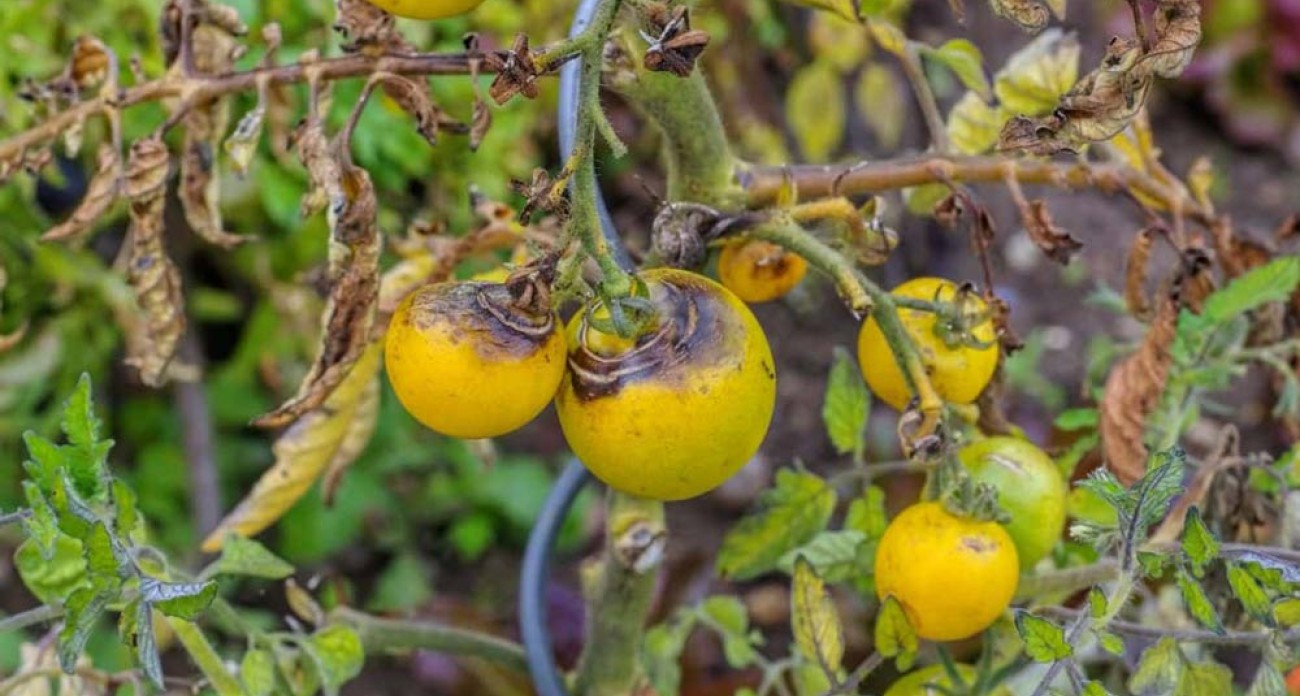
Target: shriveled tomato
column 759, row 271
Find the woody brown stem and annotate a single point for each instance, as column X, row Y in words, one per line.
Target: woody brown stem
column 762, row 183
column 200, row 88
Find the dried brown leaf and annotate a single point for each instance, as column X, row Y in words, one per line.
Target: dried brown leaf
column 1195, row 281
column 242, row 143
column 1177, row 25
column 323, row 172
column 1030, row 15
column 368, row 29
column 516, row 74
column 414, row 97
column 1236, row 254
column 104, row 188
column 1135, row 274
column 354, row 295
column 151, row 272
column 1057, row 244
column 90, row 62
column 1133, row 390
column 200, row 190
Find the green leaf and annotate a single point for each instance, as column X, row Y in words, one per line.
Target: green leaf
column 1159, row 671
column 83, row 610
column 42, row 527
column 181, row 600
column 895, row 636
column 1268, row 681
column 811, row 680
column 1094, row 688
column 1077, row 419
column 55, row 579
column 832, row 554
column 966, row 61
column 847, row 405
column 789, row 514
column 126, row 516
column 815, row 110
column 1198, row 542
column 404, row 585
column 257, row 672
column 1204, row 679
column 1272, row 282
column 728, row 612
column 338, row 655
column 1148, row 500
column 45, row 462
column 866, row 513
column 1044, row 640
column 880, row 96
column 85, row 454
column 101, row 561
column 146, row 644
column 1097, row 603
column 1198, row 603
column 1111, row 643
column 661, row 652
column 1248, row 591
column 814, row 621
column 1286, row 612
column 243, row 556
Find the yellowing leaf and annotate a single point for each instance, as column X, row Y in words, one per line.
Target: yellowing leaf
column 881, row 98
column 1136, row 147
column 889, row 36
column 841, row 8
column 814, row 107
column 973, row 125
column 966, row 61
column 814, row 621
column 895, row 636
column 1035, row 77
column 842, row 43
column 302, row 454
column 789, row 514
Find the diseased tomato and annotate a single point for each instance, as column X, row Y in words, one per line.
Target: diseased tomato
column 759, row 271
column 674, row 412
column 1030, row 489
column 958, row 370
column 952, row 575
column 466, row 362
column 426, row 9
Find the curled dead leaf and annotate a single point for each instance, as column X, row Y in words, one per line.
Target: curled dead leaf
column 517, row 73
column 101, row 193
column 1177, row 25
column 323, row 172
column 1057, row 244
column 413, row 96
column 1132, row 391
column 368, row 29
column 1030, row 15
column 1135, row 273
column 152, row 274
column 360, row 428
column 355, row 246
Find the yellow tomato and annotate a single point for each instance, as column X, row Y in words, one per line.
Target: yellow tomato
column 426, row 9
column 466, row 363
column 759, row 271
column 958, row 372
column 953, row 576
column 676, row 412
column 1030, row 488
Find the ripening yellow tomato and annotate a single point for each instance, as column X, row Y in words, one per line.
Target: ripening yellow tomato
column 466, row 362
column 952, row 575
column 426, row 9
column 958, row 372
column 759, row 271
column 676, row 411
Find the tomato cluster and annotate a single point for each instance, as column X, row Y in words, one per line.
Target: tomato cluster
column 667, row 414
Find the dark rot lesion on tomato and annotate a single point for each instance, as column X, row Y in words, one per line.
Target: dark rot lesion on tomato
column 696, row 331
column 484, row 313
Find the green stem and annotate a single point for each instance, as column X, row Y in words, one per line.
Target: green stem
column 206, row 658
column 619, row 599
column 910, row 60
column 386, row 635
column 584, row 224
column 701, row 167
column 19, row 621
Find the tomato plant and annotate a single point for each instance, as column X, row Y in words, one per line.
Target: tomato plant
column 288, row 291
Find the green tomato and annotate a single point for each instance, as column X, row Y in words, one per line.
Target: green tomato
column 1030, row 489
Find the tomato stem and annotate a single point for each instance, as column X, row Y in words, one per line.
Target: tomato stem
column 620, row 596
